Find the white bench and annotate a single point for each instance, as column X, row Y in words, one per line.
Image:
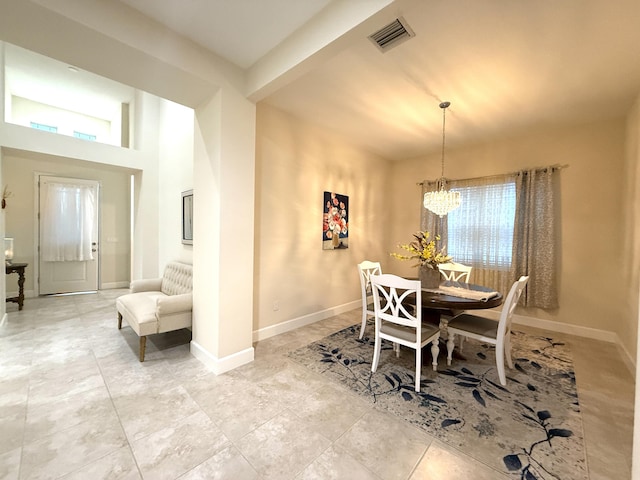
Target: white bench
column 158, row 305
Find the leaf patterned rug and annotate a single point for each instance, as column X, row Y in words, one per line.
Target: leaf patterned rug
column 530, row 429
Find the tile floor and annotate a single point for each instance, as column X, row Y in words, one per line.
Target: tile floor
column 75, row 403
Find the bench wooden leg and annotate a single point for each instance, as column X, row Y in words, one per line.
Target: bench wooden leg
column 143, row 344
column 119, row 321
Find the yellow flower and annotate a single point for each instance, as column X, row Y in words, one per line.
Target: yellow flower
column 424, row 250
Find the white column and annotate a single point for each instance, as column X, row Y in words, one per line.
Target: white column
column 224, row 178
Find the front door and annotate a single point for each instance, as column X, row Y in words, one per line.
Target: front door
column 68, row 235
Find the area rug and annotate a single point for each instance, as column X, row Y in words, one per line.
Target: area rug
column 529, row 429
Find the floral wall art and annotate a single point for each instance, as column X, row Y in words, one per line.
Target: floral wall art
column 335, row 221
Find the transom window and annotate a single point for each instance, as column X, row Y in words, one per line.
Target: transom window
column 42, row 126
column 84, row 136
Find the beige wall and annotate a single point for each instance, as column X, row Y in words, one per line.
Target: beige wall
column 295, row 164
column 175, row 163
column 591, row 201
column 18, row 169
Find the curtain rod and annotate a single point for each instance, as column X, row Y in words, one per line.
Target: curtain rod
column 539, row 169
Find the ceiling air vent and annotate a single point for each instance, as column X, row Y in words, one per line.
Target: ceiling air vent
column 393, row 34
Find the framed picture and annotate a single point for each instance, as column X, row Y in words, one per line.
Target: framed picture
column 187, row 217
column 335, row 221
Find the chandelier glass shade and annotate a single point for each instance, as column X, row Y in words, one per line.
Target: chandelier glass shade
column 441, row 201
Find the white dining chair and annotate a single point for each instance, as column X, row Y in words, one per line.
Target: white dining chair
column 488, row 330
column 365, row 270
column 398, row 318
column 455, row 272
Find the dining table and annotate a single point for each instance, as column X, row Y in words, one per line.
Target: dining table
column 450, row 298
column 457, row 296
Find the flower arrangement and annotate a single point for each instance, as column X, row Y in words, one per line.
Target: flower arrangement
column 424, row 249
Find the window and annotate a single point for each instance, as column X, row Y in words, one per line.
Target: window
column 42, row 126
column 84, row 136
column 480, row 231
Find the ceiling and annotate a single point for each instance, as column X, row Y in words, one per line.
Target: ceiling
column 505, row 65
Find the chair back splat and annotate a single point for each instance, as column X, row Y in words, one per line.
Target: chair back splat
column 398, row 318
column 455, row 272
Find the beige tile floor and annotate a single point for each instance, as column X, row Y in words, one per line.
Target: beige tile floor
column 75, row 403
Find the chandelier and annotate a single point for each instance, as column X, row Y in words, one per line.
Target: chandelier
column 441, row 201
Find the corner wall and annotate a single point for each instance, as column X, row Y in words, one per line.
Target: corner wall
column 632, row 270
column 628, row 330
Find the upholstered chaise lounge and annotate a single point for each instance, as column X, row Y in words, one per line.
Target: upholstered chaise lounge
column 158, row 305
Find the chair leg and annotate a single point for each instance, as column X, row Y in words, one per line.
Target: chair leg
column 450, row 347
column 500, row 363
column 143, row 345
column 435, row 351
column 364, row 323
column 376, row 354
column 119, row 321
column 507, row 350
column 418, row 366
column 396, row 348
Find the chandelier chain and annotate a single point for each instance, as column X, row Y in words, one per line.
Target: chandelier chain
column 441, row 201
column 444, row 115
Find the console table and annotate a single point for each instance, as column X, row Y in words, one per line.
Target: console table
column 19, row 269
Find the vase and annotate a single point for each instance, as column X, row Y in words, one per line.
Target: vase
column 335, row 241
column 429, row 277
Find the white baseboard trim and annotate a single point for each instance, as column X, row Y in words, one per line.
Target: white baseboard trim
column 577, row 330
column 302, row 321
column 551, row 325
column 627, row 358
column 4, row 319
column 114, row 285
column 221, row 365
column 27, row 294
column 104, row 286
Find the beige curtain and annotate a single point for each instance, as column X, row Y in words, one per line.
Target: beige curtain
column 535, row 243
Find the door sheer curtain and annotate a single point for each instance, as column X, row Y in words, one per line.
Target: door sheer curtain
column 68, row 223
column 505, row 228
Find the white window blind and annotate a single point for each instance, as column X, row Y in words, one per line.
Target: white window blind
column 480, row 231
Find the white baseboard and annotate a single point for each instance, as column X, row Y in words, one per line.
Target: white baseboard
column 577, row 330
column 4, row 319
column 627, row 358
column 27, row 294
column 298, row 322
column 114, row 285
column 104, row 286
column 551, row 325
column 221, row 365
